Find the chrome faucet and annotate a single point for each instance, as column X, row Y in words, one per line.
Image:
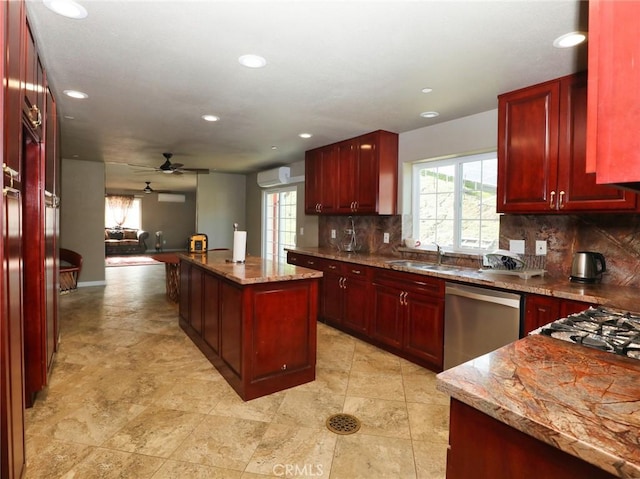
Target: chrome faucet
column 439, row 253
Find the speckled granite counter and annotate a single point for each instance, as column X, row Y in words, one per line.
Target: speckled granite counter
column 255, row 270
column 582, row 401
column 619, row 297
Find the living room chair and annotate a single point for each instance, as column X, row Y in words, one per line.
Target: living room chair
column 70, row 267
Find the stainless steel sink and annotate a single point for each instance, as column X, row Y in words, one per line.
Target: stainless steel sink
column 441, row 267
column 421, row 265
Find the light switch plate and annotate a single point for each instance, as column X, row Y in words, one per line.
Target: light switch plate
column 333, row 234
column 385, row 238
column 516, row 246
column 302, row 231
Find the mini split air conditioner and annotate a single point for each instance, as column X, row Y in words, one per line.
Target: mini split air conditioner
column 275, row 177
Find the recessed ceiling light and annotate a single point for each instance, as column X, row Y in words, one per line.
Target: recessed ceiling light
column 76, row 94
column 429, row 114
column 569, row 40
column 66, row 8
column 274, row 147
column 69, row 117
column 210, row 118
column 305, row 135
column 427, row 90
column 252, row 61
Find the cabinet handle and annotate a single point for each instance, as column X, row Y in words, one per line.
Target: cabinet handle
column 7, row 191
column 561, row 200
column 355, row 206
column 11, row 172
column 344, row 283
column 552, row 200
column 283, row 367
column 311, row 262
column 356, row 271
column 332, row 266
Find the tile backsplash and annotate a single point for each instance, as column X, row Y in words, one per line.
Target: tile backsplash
column 616, row 236
column 369, row 232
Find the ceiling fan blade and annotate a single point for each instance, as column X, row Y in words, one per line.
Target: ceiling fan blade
column 200, row 171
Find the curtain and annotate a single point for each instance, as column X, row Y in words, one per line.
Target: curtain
column 119, row 207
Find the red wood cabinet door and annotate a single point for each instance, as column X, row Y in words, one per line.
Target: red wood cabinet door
column 578, row 190
column 211, row 312
column 185, row 290
column 331, row 304
column 280, row 336
column 483, row 448
column 14, row 72
column 231, row 316
column 528, row 149
column 347, row 176
column 367, row 174
column 568, row 307
column 12, row 443
column 195, row 307
column 356, row 303
column 613, row 111
column 312, row 181
column 540, row 310
column 388, row 315
column 330, row 174
column 424, row 327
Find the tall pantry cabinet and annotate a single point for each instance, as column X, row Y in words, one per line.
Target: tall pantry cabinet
column 29, row 233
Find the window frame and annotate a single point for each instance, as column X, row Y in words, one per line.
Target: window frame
column 138, row 201
column 265, row 193
column 457, row 161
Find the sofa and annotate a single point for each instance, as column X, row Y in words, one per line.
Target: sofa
column 119, row 241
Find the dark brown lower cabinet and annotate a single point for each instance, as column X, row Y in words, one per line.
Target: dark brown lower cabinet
column 541, row 310
column 261, row 337
column 481, row 447
column 408, row 316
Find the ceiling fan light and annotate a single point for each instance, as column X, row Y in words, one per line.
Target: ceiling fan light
column 147, row 189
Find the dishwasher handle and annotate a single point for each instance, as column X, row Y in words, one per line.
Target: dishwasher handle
column 489, row 296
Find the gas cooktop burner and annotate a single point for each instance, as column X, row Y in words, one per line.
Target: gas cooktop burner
column 599, row 328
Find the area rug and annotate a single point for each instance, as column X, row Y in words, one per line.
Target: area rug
column 129, row 260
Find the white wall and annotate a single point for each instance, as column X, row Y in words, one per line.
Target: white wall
column 471, row 134
column 221, row 201
column 82, row 216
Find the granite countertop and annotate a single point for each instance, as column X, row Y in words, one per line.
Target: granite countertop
column 620, row 297
column 582, row 401
column 255, row 270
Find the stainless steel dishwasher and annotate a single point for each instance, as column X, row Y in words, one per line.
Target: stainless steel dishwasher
column 478, row 320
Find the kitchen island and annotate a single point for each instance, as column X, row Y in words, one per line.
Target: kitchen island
column 542, row 407
column 255, row 321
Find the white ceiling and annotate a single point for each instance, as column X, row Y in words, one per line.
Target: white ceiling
column 335, row 69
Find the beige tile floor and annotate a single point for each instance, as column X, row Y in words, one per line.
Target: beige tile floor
column 131, row 397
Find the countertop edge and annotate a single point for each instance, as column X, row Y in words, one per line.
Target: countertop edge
column 562, row 440
column 226, row 270
column 619, row 297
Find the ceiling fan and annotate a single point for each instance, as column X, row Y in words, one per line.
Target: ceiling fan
column 147, row 189
column 177, row 168
column 173, row 168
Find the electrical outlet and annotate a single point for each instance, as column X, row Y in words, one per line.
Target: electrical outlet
column 385, row 238
column 541, row 247
column 516, row 246
column 333, row 234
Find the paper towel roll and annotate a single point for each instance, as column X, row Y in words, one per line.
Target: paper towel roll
column 239, row 246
